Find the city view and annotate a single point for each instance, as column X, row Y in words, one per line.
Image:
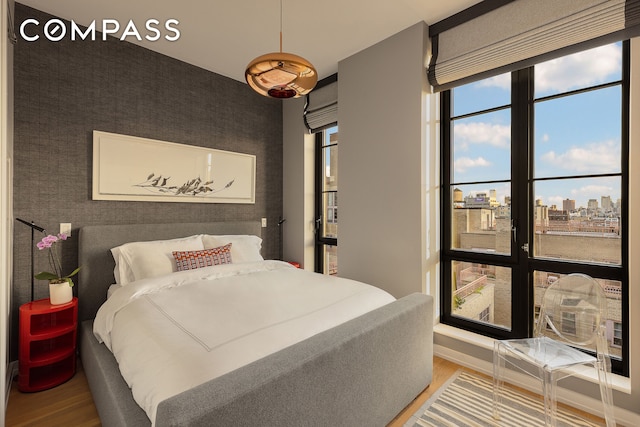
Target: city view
column 588, row 233
column 567, row 133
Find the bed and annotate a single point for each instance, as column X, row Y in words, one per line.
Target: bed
column 362, row 371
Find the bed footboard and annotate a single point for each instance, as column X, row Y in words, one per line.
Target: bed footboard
column 111, row 394
column 361, row 373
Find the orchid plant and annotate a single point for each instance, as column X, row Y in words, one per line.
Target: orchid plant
column 56, row 276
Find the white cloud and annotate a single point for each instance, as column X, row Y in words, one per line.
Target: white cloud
column 589, row 190
column 601, row 157
column 555, row 200
column 482, row 133
column 462, row 164
column 582, row 69
column 545, row 137
column 503, row 81
column 550, row 200
column 583, row 194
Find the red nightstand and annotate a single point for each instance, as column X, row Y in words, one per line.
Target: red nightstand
column 47, row 344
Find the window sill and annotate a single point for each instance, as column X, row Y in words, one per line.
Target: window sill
column 618, row 382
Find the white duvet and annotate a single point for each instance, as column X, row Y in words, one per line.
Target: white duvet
column 173, row 332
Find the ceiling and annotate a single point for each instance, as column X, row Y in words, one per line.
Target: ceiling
column 224, row 35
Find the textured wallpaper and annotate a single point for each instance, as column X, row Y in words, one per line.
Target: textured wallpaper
column 67, row 89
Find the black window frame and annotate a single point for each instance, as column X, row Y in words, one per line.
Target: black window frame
column 521, row 263
column 320, row 216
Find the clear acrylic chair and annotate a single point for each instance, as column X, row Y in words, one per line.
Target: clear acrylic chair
column 574, row 313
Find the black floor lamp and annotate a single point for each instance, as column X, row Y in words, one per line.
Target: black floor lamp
column 33, row 228
column 280, row 222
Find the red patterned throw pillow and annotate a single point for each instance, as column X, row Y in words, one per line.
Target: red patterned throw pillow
column 189, row 260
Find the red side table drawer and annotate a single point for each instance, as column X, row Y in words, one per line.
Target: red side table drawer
column 47, row 353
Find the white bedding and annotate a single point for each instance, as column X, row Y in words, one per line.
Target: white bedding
column 173, row 332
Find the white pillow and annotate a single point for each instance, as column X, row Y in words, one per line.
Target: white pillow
column 122, row 272
column 140, row 260
column 245, row 248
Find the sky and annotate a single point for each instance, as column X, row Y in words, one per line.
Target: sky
column 573, row 136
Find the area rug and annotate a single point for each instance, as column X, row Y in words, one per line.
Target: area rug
column 467, row 400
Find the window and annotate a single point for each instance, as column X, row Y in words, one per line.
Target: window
column 617, row 334
column 327, row 201
column 568, row 323
column 535, row 172
column 484, row 315
column 332, row 208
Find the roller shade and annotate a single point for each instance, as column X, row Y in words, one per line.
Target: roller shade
column 321, row 110
column 524, row 32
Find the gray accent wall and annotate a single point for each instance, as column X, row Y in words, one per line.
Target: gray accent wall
column 67, row 89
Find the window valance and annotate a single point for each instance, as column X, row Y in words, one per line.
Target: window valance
column 521, row 33
column 321, row 110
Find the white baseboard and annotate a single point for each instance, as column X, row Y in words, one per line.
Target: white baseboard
column 571, row 398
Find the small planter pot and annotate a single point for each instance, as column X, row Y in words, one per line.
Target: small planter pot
column 60, row 293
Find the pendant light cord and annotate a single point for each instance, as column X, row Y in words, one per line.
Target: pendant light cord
column 280, row 26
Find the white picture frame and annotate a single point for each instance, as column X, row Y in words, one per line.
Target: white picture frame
column 140, row 169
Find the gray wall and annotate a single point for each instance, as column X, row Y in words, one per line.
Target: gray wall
column 381, row 163
column 65, row 90
column 298, row 186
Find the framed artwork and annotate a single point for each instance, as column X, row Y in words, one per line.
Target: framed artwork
column 141, row 169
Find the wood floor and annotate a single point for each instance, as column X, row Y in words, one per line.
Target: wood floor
column 442, row 371
column 71, row 404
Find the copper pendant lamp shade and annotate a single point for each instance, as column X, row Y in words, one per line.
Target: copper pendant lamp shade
column 280, row 74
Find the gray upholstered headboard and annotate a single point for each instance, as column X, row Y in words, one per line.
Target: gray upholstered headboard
column 94, row 252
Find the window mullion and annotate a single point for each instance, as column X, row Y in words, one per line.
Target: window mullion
column 625, row 119
column 521, row 164
column 446, row 108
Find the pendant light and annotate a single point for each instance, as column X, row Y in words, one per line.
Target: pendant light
column 280, row 74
